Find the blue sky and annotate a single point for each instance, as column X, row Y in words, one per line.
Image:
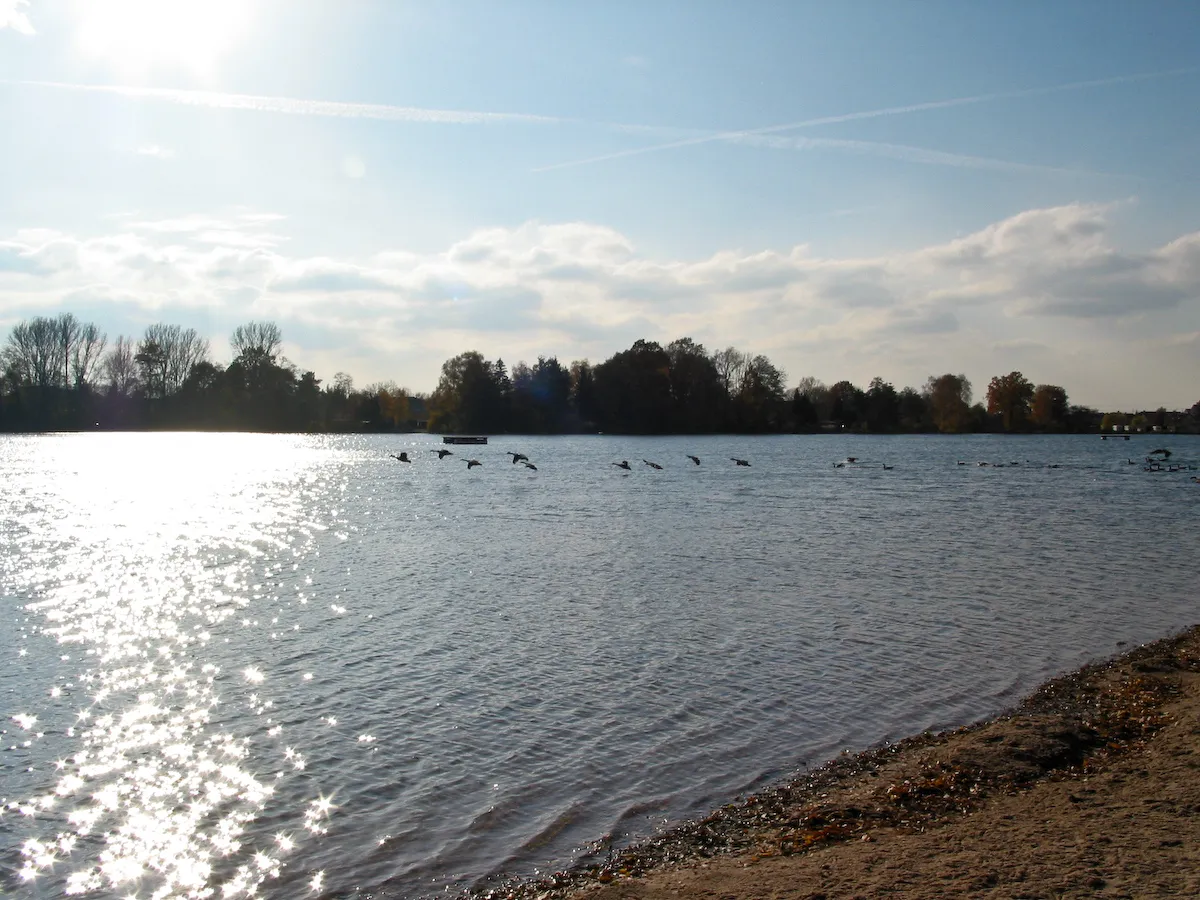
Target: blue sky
column 854, row 189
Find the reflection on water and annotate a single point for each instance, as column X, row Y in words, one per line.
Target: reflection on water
column 292, row 665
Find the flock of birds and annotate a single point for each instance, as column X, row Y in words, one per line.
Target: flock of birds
column 1156, row 461
column 521, row 458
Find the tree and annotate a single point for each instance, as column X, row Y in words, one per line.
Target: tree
column 168, row 353
column 1008, row 396
column 697, row 392
column 1049, row 408
column 846, row 404
column 256, row 341
column 761, row 399
column 87, row 352
column 118, row 369
column 882, row 406
column 32, row 352
column 949, row 400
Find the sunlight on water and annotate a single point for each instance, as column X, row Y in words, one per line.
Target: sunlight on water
column 125, row 559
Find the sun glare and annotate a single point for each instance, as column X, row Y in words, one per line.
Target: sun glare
column 136, row 36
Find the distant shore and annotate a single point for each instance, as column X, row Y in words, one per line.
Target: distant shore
column 1090, row 787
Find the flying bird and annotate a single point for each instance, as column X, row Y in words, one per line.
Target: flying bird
column 403, row 457
column 473, row 462
column 740, row 462
column 851, row 459
column 694, row 459
column 517, row 457
column 527, row 464
column 442, row 454
column 623, row 464
column 651, row 465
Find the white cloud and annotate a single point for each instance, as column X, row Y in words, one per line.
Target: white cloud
column 1045, row 278
column 13, row 15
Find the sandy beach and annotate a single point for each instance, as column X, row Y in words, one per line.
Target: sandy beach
column 1089, row 788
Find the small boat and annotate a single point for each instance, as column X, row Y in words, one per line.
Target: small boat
column 463, row 439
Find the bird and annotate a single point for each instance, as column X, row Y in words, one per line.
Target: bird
column 527, row 464
column 961, row 463
column 473, row 462
column 887, row 468
column 442, row 454
column 740, row 462
column 841, row 465
column 623, row 464
column 694, row 459
column 1166, row 454
column 651, row 465
column 851, row 459
column 517, row 457
column 1130, row 462
column 403, row 457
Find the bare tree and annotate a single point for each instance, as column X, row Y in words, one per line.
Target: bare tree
column 86, row 354
column 257, row 341
column 731, row 366
column 119, row 368
column 166, row 353
column 32, row 352
column 67, row 331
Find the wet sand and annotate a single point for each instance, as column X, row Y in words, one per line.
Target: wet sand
column 1089, row 788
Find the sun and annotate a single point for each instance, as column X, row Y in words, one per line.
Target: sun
column 137, row 36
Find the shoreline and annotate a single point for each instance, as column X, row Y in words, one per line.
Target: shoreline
column 858, row 811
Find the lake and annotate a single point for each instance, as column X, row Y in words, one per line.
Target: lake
column 297, row 666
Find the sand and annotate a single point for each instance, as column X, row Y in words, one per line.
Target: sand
column 1090, row 788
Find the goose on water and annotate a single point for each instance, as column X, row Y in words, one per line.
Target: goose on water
column 403, row 457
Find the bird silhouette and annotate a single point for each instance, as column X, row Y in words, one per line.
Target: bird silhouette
column 473, row 462
column 740, row 462
column 403, row 457
column 851, row 459
column 623, row 464
column 887, row 468
column 527, row 464
column 442, row 454
column 694, row 459
column 517, row 457
column 651, row 465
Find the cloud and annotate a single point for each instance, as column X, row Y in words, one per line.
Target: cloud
column 156, row 151
column 744, row 135
column 12, row 16
column 296, row 107
column 1052, row 277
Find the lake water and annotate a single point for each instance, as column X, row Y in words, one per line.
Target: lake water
column 297, row 666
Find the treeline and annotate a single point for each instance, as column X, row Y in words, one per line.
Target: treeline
column 59, row 373
column 684, row 389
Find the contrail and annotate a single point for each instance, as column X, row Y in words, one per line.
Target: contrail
column 294, row 107
column 870, row 114
column 908, row 153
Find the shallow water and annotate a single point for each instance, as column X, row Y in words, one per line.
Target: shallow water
column 297, row 666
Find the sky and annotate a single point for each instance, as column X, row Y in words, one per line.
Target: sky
column 855, row 189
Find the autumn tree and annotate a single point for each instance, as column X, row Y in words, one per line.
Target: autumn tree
column 1049, row 408
column 949, row 400
column 1009, row 396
